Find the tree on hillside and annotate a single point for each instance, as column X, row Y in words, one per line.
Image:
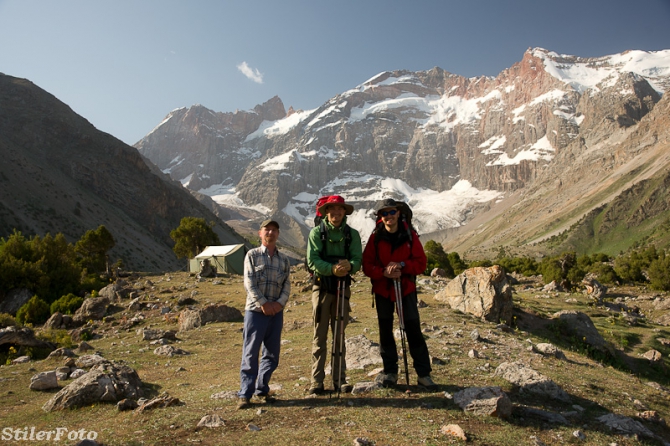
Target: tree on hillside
column 457, row 263
column 437, row 258
column 93, row 247
column 659, row 272
column 192, row 236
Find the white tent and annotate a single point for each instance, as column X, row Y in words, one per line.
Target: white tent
column 227, row 259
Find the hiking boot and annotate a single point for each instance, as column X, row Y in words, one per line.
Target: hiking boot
column 316, row 389
column 243, row 403
column 427, row 382
column 387, row 379
column 267, row 398
column 345, row 388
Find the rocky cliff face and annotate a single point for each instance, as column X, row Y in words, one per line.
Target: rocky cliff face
column 60, row 174
column 447, row 144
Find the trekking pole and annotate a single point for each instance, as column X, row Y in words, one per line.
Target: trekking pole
column 343, row 298
column 337, row 333
column 401, row 323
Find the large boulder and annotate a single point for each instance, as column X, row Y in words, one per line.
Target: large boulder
column 44, row 381
column 93, row 308
column 116, row 291
column 24, row 337
column 190, row 319
column 580, row 326
column 482, row 292
column 109, row 382
column 59, row 321
column 489, row 401
column 594, row 289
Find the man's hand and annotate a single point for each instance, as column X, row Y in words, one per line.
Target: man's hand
column 339, row 270
column 271, row 308
column 344, row 263
column 393, row 270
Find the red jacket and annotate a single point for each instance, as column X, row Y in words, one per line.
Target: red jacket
column 375, row 259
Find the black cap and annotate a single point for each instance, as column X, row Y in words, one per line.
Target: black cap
column 388, row 203
column 269, row 222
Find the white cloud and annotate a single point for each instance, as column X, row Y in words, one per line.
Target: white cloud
column 251, row 73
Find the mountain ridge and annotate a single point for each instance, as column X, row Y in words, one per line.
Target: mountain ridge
column 62, row 175
column 451, row 146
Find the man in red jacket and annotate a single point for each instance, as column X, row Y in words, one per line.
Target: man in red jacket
column 394, row 252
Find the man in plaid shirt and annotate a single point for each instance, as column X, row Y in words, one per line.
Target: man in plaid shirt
column 267, row 282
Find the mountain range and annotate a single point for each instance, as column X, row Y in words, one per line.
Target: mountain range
column 520, row 162
column 555, row 153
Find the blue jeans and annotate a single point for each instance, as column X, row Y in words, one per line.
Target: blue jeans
column 259, row 330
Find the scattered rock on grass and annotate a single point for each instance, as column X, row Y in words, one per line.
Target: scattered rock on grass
column 484, row 401
column 44, row 381
column 529, row 380
column 211, row 421
column 454, row 430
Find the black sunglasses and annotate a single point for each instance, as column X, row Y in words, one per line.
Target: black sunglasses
column 387, row 213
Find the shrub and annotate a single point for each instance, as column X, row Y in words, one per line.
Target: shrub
column 67, row 304
column 7, row 320
column 520, row 265
column 35, row 311
column 437, row 258
column 92, row 282
column 659, row 273
column 630, row 266
column 604, row 272
column 563, row 267
column 457, row 263
column 59, row 337
column 483, row 263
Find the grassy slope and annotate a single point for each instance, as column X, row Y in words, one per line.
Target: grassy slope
column 388, row 417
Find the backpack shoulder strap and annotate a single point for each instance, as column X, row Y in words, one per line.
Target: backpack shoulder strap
column 347, row 240
column 323, row 234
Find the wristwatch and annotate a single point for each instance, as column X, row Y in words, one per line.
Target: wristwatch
column 402, row 264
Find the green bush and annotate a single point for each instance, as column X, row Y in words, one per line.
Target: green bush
column 437, row 258
column 35, row 311
column 59, row 337
column 92, row 282
column 604, row 273
column 520, row 265
column 483, row 263
column 7, row 320
column 67, row 304
column 659, row 273
column 457, row 264
column 45, row 265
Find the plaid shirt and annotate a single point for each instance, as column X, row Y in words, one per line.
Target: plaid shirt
column 266, row 279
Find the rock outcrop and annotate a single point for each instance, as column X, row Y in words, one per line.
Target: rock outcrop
column 482, row 292
column 105, row 382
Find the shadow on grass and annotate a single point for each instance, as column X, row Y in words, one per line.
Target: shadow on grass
column 529, row 410
column 151, row 390
column 561, row 337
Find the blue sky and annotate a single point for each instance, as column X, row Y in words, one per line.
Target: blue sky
column 125, row 64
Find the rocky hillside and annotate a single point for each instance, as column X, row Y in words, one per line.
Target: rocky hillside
column 60, row 174
column 456, row 148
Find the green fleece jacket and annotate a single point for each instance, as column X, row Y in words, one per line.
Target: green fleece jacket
column 335, row 248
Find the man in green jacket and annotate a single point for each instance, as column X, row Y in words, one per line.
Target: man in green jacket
column 334, row 253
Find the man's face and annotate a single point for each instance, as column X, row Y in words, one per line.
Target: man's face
column 335, row 214
column 391, row 217
column 269, row 235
